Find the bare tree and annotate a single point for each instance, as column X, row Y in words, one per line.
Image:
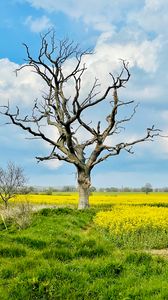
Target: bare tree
column 11, row 180
column 66, row 114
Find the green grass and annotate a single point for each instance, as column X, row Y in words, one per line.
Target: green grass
column 62, row 255
column 149, row 238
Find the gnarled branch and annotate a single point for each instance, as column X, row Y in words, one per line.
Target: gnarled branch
column 65, row 113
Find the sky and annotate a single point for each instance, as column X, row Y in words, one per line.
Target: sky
column 115, row 29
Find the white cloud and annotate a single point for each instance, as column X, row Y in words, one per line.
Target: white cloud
column 124, row 26
column 121, row 24
column 142, row 54
column 92, row 11
column 129, row 29
column 147, row 93
column 24, row 88
column 39, row 24
column 28, row 86
column 52, row 164
column 153, row 16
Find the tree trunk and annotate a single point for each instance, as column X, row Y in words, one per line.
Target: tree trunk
column 83, row 197
column 83, row 188
column 5, row 200
column 6, row 204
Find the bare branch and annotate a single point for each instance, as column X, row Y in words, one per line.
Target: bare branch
column 64, row 114
column 115, row 150
column 11, row 180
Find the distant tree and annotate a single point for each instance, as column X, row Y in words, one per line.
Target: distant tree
column 136, row 190
column 101, row 190
column 114, row 189
column 67, row 113
column 48, row 191
column 27, row 190
column 126, row 189
column 92, row 189
column 147, row 188
column 68, row 188
column 11, row 180
column 107, row 190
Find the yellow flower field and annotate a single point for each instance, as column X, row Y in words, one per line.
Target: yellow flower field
column 128, row 219
column 127, row 213
column 96, row 199
column 60, row 199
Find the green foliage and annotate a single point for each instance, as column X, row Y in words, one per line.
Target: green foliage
column 29, row 242
column 58, row 211
column 62, row 255
column 142, row 239
column 12, row 252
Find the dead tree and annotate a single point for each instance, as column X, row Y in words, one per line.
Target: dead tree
column 11, row 180
column 66, row 114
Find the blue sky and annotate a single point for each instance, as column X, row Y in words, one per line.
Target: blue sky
column 130, row 29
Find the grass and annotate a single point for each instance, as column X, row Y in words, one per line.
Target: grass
column 63, row 255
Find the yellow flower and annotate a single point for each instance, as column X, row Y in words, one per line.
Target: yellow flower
column 125, row 219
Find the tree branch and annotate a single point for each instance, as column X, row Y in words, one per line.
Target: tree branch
column 151, row 133
column 65, row 112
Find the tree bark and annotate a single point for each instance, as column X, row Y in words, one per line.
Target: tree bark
column 6, row 204
column 84, row 183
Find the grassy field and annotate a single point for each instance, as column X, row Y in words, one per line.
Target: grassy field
column 64, row 253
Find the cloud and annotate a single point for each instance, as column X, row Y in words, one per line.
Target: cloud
column 153, row 16
column 147, row 93
column 28, row 86
column 122, row 33
column 131, row 29
column 39, row 24
column 93, row 12
column 52, row 164
column 142, row 54
column 24, row 88
column 107, row 58
column 150, row 15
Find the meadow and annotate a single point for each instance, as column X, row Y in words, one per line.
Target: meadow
column 104, row 252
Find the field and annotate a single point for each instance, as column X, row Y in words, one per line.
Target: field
column 105, row 252
column 97, row 199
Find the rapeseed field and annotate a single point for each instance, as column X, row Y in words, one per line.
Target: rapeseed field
column 97, row 199
column 124, row 219
column 136, row 220
column 105, row 252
